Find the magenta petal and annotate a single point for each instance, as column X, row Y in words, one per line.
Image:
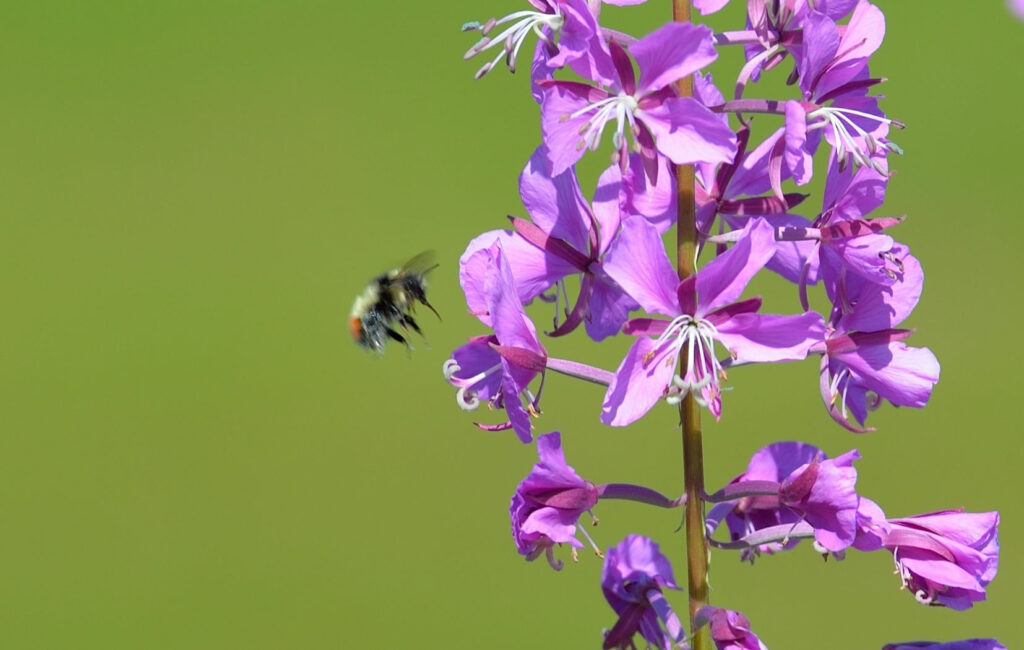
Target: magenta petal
column 609, row 309
column 638, row 385
column 511, row 324
column 553, row 524
column 562, row 132
column 687, row 132
column 901, row 374
column 862, row 37
column 673, row 51
column 724, row 278
column 938, row 570
column 798, row 157
column 709, row 6
column 820, row 42
column 517, row 415
column 765, row 337
column 581, row 44
column 883, row 307
column 555, row 203
column 637, row 261
column 656, row 201
column 607, row 205
column 534, row 270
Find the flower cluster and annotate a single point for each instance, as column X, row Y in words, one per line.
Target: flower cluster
column 597, row 259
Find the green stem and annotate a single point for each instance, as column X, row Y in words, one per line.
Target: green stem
column 689, row 413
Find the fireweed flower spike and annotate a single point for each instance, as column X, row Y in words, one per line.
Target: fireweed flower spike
column 574, row 115
column 945, row 558
column 787, row 483
column 634, row 574
column 730, row 630
column 702, row 310
column 548, row 503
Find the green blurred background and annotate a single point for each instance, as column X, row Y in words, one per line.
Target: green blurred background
column 194, row 453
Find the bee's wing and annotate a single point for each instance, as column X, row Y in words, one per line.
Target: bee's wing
column 419, row 265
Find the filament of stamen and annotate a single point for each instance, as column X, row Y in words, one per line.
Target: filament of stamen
column 513, row 37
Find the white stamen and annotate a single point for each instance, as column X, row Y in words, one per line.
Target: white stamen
column 698, row 336
column 512, row 38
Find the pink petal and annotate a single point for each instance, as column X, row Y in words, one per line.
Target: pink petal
column 637, row 261
column 688, row 132
column 637, row 385
column 673, row 51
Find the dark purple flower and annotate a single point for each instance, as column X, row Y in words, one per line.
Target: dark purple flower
column 945, row 558
column 966, row 644
column 574, row 115
column 548, row 503
column 797, row 483
column 730, row 630
column 701, row 310
column 499, row 368
column 634, row 574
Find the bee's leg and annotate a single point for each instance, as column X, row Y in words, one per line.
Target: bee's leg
column 407, row 320
column 398, row 337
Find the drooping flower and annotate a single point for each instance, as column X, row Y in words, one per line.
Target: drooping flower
column 864, row 357
column 498, row 368
column 574, row 115
column 701, row 310
column 730, row 630
column 548, row 503
column 635, row 573
column 794, row 482
column 945, row 558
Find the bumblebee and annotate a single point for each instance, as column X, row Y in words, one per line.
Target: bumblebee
column 389, row 299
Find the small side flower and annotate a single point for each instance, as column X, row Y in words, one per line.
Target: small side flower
column 635, row 572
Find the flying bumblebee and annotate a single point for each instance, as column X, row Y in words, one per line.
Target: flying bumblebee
column 389, row 299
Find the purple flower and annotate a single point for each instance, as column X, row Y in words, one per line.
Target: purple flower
column 865, row 359
column 499, row 368
column 566, row 237
column 634, row 574
column 945, row 558
column 548, row 503
column 701, row 310
column 966, row 644
column 1017, row 7
column 843, row 240
column 567, row 31
column 795, row 483
column 833, row 70
column 730, row 630
column 574, row 115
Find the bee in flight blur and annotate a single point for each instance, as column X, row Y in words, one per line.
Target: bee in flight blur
column 389, row 299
